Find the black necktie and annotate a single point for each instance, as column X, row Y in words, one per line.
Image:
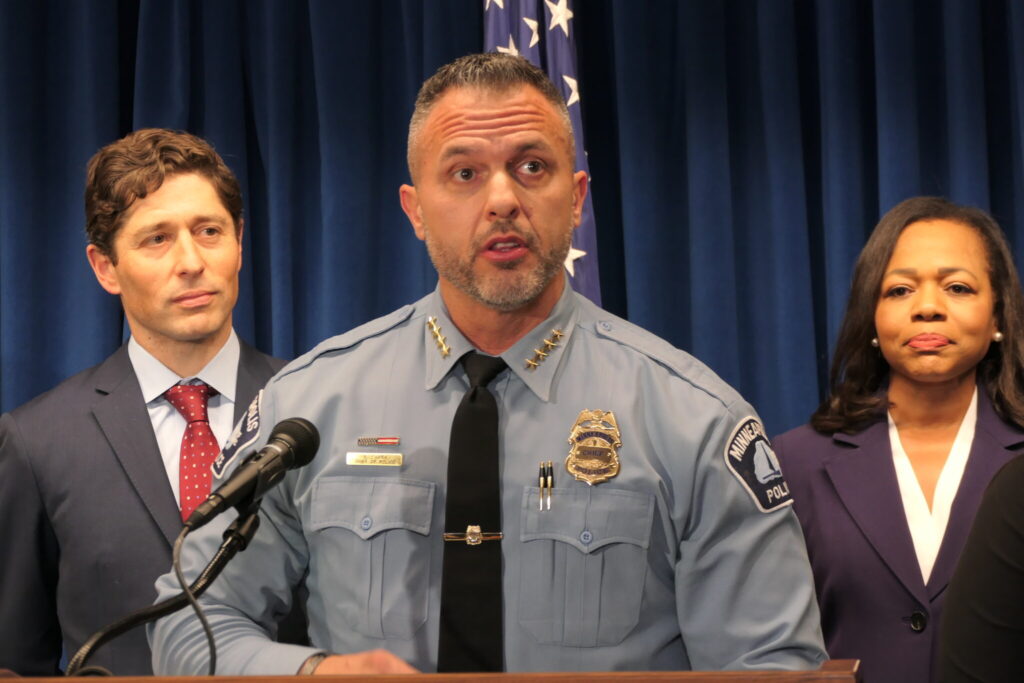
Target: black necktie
column 471, row 598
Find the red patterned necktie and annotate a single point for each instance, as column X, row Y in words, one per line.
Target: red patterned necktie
column 199, row 446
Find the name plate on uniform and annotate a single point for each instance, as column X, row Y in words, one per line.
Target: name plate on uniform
column 378, row 459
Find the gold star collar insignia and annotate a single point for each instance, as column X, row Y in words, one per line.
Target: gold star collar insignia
column 540, row 355
column 439, row 339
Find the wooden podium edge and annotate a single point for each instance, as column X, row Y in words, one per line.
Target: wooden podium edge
column 832, row 671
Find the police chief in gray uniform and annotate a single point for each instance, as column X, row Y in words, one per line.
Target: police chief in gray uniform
column 675, row 549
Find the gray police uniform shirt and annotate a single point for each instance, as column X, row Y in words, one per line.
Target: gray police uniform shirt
column 690, row 557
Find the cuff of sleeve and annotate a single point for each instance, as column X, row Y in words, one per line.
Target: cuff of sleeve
column 279, row 659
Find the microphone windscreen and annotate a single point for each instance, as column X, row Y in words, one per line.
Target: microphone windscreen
column 304, row 437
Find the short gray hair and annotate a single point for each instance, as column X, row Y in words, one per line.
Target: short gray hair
column 492, row 71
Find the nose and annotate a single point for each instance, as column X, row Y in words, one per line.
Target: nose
column 502, row 199
column 189, row 258
column 928, row 304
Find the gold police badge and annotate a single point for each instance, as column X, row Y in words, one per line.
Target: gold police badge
column 594, row 440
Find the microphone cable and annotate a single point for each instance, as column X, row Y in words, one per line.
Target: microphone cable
column 236, row 539
column 187, row 591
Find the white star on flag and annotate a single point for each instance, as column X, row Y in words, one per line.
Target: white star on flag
column 560, row 15
column 574, row 93
column 532, row 23
column 499, row 3
column 573, row 254
column 510, row 50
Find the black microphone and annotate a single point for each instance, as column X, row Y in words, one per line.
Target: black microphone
column 293, row 443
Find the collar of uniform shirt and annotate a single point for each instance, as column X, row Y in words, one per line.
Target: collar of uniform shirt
column 155, row 378
column 563, row 317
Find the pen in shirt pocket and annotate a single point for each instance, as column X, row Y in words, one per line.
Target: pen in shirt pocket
column 546, row 483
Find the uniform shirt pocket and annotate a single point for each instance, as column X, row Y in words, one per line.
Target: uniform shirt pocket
column 372, row 532
column 584, row 563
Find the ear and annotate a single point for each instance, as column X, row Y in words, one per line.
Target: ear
column 411, row 206
column 103, row 268
column 241, row 228
column 580, row 184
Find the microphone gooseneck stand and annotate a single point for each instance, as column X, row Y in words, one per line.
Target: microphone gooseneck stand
column 236, row 539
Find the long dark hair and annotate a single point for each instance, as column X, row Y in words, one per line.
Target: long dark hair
column 859, row 371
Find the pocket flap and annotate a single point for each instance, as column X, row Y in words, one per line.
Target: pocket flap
column 369, row 505
column 589, row 518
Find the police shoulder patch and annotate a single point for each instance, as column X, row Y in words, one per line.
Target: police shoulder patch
column 750, row 458
column 245, row 433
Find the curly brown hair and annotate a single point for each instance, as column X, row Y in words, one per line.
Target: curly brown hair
column 138, row 164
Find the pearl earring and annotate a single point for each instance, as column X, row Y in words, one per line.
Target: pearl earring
column 997, row 337
column 874, row 342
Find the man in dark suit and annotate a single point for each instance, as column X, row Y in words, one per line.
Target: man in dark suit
column 92, row 471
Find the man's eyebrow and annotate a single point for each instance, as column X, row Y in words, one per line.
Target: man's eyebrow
column 461, row 150
column 151, row 227
column 542, row 145
column 220, row 220
column 163, row 225
column 456, row 151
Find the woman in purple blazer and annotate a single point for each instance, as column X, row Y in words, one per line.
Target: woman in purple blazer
column 925, row 404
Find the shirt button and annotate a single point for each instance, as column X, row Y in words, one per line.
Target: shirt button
column 606, row 326
column 918, row 622
column 365, row 523
column 586, row 537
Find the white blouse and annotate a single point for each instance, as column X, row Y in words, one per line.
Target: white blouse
column 928, row 526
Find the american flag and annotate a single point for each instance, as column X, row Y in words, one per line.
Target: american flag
column 542, row 31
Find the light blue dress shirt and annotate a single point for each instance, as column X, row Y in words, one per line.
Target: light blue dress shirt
column 155, row 378
column 671, row 564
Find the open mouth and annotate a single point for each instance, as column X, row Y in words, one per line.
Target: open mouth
column 505, row 248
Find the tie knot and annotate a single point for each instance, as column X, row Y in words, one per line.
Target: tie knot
column 190, row 400
column 482, row 369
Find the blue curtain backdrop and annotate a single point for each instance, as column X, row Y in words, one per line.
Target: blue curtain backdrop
column 740, row 151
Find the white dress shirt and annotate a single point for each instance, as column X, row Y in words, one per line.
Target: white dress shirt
column 155, row 378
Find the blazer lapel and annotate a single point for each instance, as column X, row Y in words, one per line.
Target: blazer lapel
column 254, row 371
column 865, row 479
column 995, row 443
column 122, row 416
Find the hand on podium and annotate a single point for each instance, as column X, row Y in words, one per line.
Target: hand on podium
column 369, row 662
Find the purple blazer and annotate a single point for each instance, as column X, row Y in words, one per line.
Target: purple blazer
column 874, row 604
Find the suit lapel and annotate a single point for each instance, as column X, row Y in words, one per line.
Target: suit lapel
column 122, row 416
column 865, row 480
column 254, row 371
column 993, row 446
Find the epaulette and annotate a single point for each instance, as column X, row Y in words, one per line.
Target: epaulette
column 349, row 339
column 681, row 363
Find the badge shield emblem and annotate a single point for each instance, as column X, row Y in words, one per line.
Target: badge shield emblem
column 594, row 440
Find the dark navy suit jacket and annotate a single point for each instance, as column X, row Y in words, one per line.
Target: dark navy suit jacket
column 87, row 516
column 874, row 603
